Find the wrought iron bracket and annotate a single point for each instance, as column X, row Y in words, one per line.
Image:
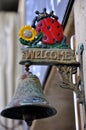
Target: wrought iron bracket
column 67, row 72
column 81, row 93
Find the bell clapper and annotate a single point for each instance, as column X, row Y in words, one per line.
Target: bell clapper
column 27, row 68
column 29, row 123
column 27, row 120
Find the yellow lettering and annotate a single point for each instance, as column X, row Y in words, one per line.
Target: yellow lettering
column 38, row 54
column 47, row 54
column 53, row 55
column 30, row 54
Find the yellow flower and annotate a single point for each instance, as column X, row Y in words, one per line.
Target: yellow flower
column 27, row 33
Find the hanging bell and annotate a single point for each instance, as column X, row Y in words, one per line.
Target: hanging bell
column 28, row 102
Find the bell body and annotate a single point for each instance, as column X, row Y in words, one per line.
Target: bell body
column 28, row 102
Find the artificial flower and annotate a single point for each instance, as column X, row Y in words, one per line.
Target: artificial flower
column 27, row 33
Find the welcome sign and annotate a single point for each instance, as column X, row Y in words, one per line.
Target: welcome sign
column 48, row 56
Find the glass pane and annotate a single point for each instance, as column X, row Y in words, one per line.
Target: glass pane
column 58, row 6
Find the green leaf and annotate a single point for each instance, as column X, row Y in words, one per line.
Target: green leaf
column 23, row 41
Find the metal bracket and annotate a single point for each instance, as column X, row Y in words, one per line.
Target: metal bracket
column 81, row 93
column 67, row 79
column 67, row 71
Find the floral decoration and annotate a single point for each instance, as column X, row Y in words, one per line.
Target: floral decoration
column 27, row 33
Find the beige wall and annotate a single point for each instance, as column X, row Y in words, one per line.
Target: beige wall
column 80, row 35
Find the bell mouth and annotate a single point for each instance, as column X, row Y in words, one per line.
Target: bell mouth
column 32, row 111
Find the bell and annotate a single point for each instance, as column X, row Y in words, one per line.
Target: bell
column 28, row 102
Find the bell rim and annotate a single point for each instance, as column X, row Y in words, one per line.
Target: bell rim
column 7, row 110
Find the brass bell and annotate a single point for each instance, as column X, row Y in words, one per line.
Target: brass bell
column 28, row 102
